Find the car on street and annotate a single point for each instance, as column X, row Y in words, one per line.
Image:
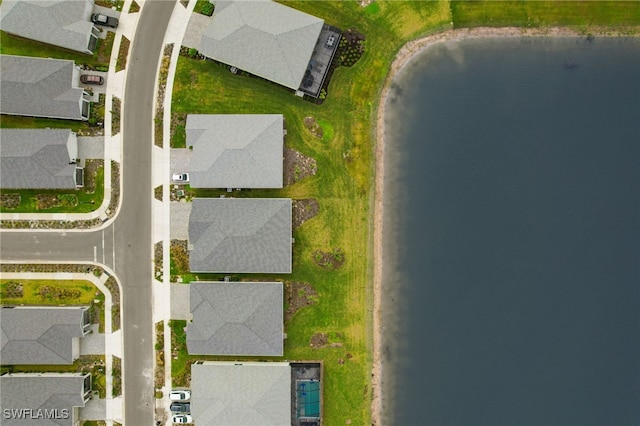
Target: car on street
column 91, row 79
column 180, row 395
column 107, row 21
column 180, row 177
column 182, row 419
column 180, row 407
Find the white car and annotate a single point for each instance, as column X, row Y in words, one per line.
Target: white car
column 180, row 395
column 180, row 177
column 182, row 419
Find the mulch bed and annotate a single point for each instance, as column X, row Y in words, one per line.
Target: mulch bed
column 13, row 290
column 304, row 210
column 180, row 256
column 298, row 295
column 9, row 201
column 312, row 125
column 297, row 166
column 157, row 260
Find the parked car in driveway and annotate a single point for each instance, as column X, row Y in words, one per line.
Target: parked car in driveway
column 107, row 21
column 180, row 177
column 180, row 407
column 331, row 40
column 182, row 419
column 180, row 395
column 91, row 79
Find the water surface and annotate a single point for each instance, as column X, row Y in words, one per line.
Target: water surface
column 512, row 235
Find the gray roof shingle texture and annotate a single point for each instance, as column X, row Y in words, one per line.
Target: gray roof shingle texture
column 262, row 37
column 39, row 336
column 37, row 159
column 236, row 150
column 52, row 392
column 240, row 235
column 241, row 395
column 236, row 318
column 39, row 87
column 65, row 23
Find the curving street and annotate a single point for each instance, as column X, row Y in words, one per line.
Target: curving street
column 125, row 246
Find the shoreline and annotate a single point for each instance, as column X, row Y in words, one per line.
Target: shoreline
column 407, row 52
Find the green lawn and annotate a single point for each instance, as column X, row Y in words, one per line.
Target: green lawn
column 582, row 14
column 86, row 200
column 50, row 292
column 342, row 186
column 13, row 45
column 17, row 122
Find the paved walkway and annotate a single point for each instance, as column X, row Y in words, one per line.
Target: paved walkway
column 93, row 343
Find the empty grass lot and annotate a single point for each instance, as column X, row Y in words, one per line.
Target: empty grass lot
column 342, row 186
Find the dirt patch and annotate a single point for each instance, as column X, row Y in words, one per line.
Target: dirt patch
column 297, row 166
column 46, row 201
column 157, row 260
column 180, row 257
column 298, row 295
column 322, row 340
column 312, row 125
column 91, row 167
column 331, row 260
column 304, row 210
column 9, row 201
column 116, row 107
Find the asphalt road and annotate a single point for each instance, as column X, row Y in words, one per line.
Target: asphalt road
column 126, row 245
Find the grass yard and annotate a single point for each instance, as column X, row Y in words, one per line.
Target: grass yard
column 13, row 45
column 581, row 14
column 342, row 186
column 82, row 200
column 49, row 292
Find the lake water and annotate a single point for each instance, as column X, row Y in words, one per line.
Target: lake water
column 512, row 235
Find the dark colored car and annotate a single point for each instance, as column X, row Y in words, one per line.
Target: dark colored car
column 107, row 21
column 180, row 407
column 91, row 79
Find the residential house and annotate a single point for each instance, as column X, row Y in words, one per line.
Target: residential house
column 38, row 87
column 236, row 150
column 236, row 318
column 39, row 159
column 63, row 23
column 240, row 235
column 42, row 335
column 264, row 38
column 43, row 399
column 241, row 394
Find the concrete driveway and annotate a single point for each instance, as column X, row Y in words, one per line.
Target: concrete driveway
column 180, row 302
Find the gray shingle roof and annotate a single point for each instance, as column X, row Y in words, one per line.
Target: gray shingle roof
column 39, row 335
column 236, row 318
column 65, row 23
column 236, row 150
column 240, row 235
column 262, row 37
column 39, row 87
column 58, row 393
column 241, row 394
column 38, row 158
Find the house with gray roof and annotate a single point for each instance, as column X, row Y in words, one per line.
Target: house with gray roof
column 236, row 150
column 236, row 318
column 264, row 38
column 241, row 394
column 43, row 399
column 63, row 23
column 240, row 235
column 39, row 159
column 38, row 87
column 42, row 335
